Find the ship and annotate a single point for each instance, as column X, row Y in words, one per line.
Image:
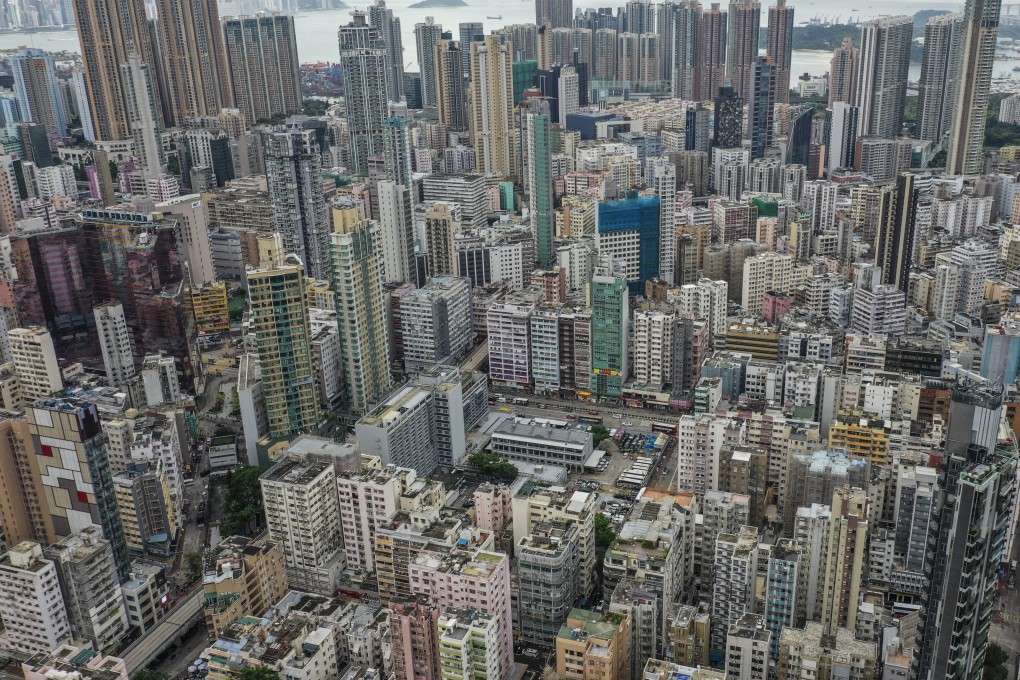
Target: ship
column 499, row 18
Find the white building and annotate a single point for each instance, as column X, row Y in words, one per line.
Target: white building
column 652, row 347
column 707, row 300
column 762, row 273
column 35, row 363
column 115, row 343
column 189, row 211
column 31, row 604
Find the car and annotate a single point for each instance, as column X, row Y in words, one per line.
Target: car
column 571, row 416
column 530, row 651
column 506, row 410
column 617, row 415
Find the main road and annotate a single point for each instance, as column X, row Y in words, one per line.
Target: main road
column 164, row 633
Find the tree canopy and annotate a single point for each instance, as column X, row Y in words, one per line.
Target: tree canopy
column 259, row 673
column 598, row 433
column 242, row 504
column 604, row 533
column 493, row 465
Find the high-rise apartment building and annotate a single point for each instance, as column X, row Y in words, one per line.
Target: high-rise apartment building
column 279, row 318
column 846, row 558
column 263, row 65
column 246, row 576
column 357, row 281
column 844, row 71
column 193, row 60
column 712, row 46
column 364, row 60
column 396, row 232
column 742, row 44
column 115, row 343
column 843, row 126
column 381, row 17
column 556, row 13
column 729, row 117
column 109, row 33
column 761, row 104
column 940, row 70
column 967, row 539
column 141, row 105
column 735, row 569
column 882, row 85
column 610, row 318
column 38, row 91
column 413, row 625
column 427, row 35
column 293, row 168
column 466, row 637
column 894, row 241
column 783, row 590
column 31, row 606
column 548, row 580
column 780, row 47
column 88, row 581
column 967, row 134
column 537, row 150
column 74, row 467
column 303, row 517
column 450, row 90
column 748, row 641
column 492, row 101
column 436, row 323
column 35, row 363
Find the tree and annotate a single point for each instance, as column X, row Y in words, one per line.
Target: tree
column 113, row 170
column 604, row 533
column 149, row 674
column 242, row 505
column 598, row 433
column 493, row 465
column 259, row 673
column 195, row 564
column 315, row 107
column 995, row 663
column 173, row 166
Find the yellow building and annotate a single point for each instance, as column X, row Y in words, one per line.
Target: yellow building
column 577, row 216
column 594, row 646
column 758, row 339
column 690, row 636
column 209, row 307
column 147, row 510
column 862, row 436
column 246, row 578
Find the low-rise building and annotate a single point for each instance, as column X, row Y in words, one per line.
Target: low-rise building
column 529, row 442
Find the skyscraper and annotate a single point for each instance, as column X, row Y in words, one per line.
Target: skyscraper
column 538, row 162
column 780, row 48
column 761, row 105
column 38, row 91
column 966, row 540
column 263, row 63
column 388, row 25
column 427, row 36
column 293, row 165
column 981, row 31
column 279, row 319
column 143, row 118
column 843, row 72
column 610, row 317
column 711, row 49
column 683, row 50
column 492, row 101
column 452, row 104
column 73, row 463
column 397, row 148
column 845, row 558
column 885, row 62
column 604, row 53
column 936, row 90
column 396, row 232
column 843, row 125
column 357, row 281
column 729, row 118
column 364, row 61
column 109, row 32
column 194, row 59
column 467, row 32
column 557, row 13
column 115, row 343
column 742, row 44
column 894, row 241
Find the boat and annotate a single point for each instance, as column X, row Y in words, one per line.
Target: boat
column 1016, row 69
column 499, row 18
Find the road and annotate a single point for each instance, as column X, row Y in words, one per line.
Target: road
column 151, row 644
column 572, row 406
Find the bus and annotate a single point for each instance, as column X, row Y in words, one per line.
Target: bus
column 667, row 428
column 520, row 401
column 589, row 420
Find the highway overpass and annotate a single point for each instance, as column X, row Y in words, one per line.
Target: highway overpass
column 164, row 634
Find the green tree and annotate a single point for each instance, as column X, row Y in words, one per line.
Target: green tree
column 315, row 107
column 113, row 170
column 242, row 505
column 604, row 533
column 235, row 405
column 173, row 166
column 259, row 673
column 493, row 465
column 598, row 433
column 195, row 564
column 149, row 674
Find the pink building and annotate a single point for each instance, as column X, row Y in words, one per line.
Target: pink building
column 468, row 577
column 414, row 626
column 775, row 304
column 493, row 507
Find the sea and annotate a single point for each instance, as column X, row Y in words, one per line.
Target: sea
column 317, row 30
